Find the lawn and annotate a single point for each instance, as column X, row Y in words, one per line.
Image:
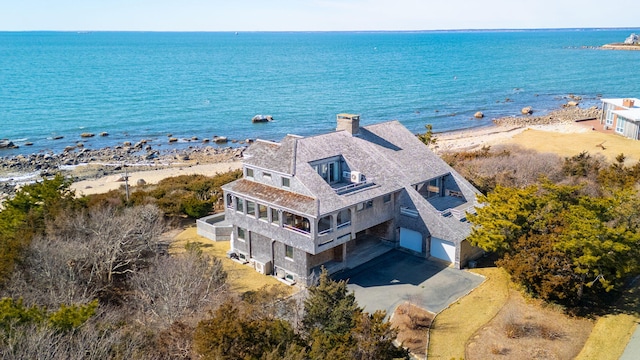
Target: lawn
column 241, row 278
column 454, row 326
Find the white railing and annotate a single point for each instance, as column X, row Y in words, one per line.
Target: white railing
column 293, row 228
column 344, row 224
column 409, row 212
column 344, row 189
column 462, row 213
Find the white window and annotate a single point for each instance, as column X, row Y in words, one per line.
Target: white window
column 239, row 205
column 286, row 182
column 620, row 124
column 241, row 234
column 609, row 120
column 249, row 173
column 386, row 198
column 266, row 175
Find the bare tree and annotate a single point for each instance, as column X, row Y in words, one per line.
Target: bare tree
column 88, row 256
column 178, row 286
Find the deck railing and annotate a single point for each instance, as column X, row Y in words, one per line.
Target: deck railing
column 293, row 228
column 352, row 187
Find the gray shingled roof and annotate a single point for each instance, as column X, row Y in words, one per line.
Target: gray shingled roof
column 274, row 156
column 387, row 154
column 442, row 227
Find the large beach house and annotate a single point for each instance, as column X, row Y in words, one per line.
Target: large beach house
column 622, row 115
column 339, row 199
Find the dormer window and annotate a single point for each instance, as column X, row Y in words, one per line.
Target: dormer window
column 329, row 170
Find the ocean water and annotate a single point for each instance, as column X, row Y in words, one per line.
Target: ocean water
column 145, row 85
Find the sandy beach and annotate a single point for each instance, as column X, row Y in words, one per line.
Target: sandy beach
column 114, row 181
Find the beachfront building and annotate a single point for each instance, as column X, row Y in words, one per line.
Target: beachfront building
column 339, row 199
column 623, row 116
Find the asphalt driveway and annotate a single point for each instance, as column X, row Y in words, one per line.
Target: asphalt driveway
column 386, row 281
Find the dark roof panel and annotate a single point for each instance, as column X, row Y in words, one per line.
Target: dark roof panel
column 273, row 196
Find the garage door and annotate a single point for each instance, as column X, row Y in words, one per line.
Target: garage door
column 411, row 240
column 443, row 250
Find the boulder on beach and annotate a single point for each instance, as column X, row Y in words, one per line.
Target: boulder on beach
column 478, row 115
column 69, row 148
column 172, row 139
column 104, row 133
column 87, row 135
column 571, row 103
column 220, row 139
column 6, row 144
column 58, row 137
column 140, row 182
column 527, row 110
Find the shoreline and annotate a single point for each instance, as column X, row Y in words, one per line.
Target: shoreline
column 102, row 175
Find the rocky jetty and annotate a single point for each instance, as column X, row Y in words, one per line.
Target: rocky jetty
column 630, row 43
column 567, row 115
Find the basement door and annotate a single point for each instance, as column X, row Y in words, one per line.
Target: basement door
column 443, row 250
column 411, row 240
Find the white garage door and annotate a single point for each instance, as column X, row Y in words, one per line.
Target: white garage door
column 411, row 240
column 443, row 250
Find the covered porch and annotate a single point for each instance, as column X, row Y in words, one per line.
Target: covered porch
column 363, row 248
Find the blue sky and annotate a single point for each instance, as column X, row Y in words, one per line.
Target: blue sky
column 312, row 15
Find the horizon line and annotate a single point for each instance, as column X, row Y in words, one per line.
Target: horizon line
column 329, row 31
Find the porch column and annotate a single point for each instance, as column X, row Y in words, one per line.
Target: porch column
column 344, row 256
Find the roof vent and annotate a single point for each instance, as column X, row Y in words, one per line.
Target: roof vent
column 348, row 122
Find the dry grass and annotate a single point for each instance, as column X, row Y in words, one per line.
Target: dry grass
column 413, row 324
column 527, row 329
column 453, row 327
column 570, row 144
column 241, row 278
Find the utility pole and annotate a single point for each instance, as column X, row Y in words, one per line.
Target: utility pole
column 126, row 181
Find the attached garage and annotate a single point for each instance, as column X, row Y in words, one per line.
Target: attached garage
column 443, row 250
column 411, row 240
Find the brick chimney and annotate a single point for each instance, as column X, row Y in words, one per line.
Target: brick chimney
column 628, row 103
column 348, row 122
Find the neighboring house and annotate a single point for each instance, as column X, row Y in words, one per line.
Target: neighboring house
column 338, row 199
column 622, row 115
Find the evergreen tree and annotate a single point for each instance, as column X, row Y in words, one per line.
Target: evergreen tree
column 558, row 242
column 330, row 307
